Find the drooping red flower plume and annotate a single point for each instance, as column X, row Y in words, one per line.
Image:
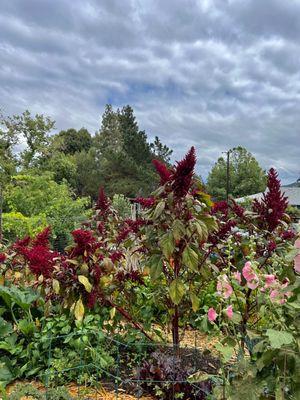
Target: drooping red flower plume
column 42, row 238
column 84, row 241
column 183, row 175
column 2, row 257
column 40, row 259
column 163, row 171
column 21, row 243
column 116, row 256
column 288, row 235
column 102, row 202
column 223, row 230
column 145, row 202
column 92, row 298
column 273, row 205
column 220, row 207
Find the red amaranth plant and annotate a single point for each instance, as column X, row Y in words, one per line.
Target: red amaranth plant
column 183, row 174
column 84, row 241
column 145, row 202
column 102, row 203
column 272, row 207
column 175, row 224
column 42, row 238
column 164, row 172
column 36, row 252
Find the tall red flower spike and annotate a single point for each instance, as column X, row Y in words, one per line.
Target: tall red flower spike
column 182, row 177
column 163, row 171
column 102, row 202
column 273, row 204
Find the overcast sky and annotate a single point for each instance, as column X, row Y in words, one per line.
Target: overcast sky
column 209, row 73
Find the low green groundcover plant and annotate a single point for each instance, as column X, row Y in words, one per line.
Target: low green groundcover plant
column 27, row 390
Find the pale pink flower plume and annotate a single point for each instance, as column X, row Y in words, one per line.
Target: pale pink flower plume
column 212, row 315
column 229, row 312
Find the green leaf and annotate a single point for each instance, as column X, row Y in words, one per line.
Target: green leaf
column 225, row 351
column 290, row 256
column 5, row 328
column 210, row 222
column 26, row 327
column 176, row 291
column 195, row 301
column 178, row 229
column 56, row 286
column 167, row 244
column 79, row 310
column 155, row 267
column 201, row 229
column 190, row 258
column 159, row 209
column 236, row 318
column 279, row 338
column 5, row 374
column 86, row 283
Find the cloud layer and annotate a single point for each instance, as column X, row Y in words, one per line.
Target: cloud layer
column 209, row 73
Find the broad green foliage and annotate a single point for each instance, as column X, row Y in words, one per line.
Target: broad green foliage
column 72, row 141
column 246, row 176
column 15, row 224
column 35, row 201
column 122, row 205
column 34, row 129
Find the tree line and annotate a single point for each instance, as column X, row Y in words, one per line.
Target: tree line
column 46, row 175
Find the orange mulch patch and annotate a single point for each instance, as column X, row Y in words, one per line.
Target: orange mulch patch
column 81, row 392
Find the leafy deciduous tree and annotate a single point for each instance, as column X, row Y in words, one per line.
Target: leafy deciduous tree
column 245, row 175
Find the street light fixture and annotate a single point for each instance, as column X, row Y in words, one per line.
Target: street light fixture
column 227, row 172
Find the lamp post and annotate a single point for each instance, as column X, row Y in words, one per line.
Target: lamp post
column 227, row 172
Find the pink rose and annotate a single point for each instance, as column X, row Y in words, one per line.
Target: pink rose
column 212, row 315
column 270, row 280
column 229, row 312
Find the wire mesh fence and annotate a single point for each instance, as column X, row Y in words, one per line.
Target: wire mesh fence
column 103, row 363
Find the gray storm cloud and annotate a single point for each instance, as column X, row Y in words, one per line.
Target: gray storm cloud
column 214, row 74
